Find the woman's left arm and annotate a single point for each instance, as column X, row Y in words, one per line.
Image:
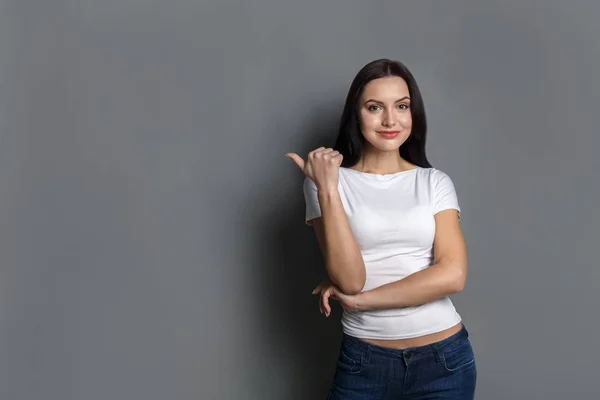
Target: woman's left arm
column 447, row 275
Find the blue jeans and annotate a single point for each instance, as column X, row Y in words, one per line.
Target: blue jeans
column 442, row 370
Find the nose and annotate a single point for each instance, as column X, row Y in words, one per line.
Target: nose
column 388, row 120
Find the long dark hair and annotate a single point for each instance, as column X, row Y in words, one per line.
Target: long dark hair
column 350, row 141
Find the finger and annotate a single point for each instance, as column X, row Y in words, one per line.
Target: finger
column 325, row 301
column 325, row 152
column 315, row 151
column 332, row 155
column 338, row 159
column 297, row 159
column 336, row 295
column 320, row 287
column 315, row 292
column 322, row 302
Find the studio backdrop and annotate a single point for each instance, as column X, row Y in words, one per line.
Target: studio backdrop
column 152, row 236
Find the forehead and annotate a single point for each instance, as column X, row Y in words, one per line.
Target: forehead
column 389, row 88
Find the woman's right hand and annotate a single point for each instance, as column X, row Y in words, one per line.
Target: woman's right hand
column 321, row 167
column 328, row 290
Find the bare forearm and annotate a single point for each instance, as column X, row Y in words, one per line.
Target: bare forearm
column 343, row 260
column 432, row 283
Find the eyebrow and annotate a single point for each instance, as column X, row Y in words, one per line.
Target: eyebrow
column 380, row 102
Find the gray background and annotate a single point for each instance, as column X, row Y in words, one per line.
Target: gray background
column 152, row 243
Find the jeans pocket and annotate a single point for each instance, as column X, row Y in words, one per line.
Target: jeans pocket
column 350, row 360
column 460, row 357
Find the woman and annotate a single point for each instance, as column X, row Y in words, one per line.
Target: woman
column 388, row 226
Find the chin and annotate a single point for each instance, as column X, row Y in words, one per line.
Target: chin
column 387, row 148
column 387, row 145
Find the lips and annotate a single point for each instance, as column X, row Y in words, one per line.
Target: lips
column 388, row 134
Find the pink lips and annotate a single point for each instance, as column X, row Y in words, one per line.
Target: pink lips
column 389, row 134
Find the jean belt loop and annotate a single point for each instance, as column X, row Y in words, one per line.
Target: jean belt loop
column 438, row 352
column 367, row 356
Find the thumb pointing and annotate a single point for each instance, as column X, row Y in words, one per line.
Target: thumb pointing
column 296, row 159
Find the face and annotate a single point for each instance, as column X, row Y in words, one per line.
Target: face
column 384, row 113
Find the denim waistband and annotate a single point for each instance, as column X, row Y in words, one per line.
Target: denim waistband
column 433, row 348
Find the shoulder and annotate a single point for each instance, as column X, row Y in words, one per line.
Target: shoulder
column 435, row 173
column 434, row 176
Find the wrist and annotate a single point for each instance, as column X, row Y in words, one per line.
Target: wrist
column 326, row 193
column 361, row 301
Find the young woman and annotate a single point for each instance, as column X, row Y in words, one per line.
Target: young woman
column 388, row 226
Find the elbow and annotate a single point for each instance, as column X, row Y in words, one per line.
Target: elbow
column 454, row 275
column 353, row 287
column 459, row 280
column 350, row 282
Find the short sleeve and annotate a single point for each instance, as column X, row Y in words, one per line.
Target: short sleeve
column 311, row 198
column 445, row 196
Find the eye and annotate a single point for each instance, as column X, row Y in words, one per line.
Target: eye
column 403, row 106
column 373, row 107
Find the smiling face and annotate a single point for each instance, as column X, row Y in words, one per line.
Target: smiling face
column 384, row 113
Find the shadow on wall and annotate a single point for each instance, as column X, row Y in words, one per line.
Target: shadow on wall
column 305, row 342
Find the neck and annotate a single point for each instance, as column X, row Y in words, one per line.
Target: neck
column 383, row 163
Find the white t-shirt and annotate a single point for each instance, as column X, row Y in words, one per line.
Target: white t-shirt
column 392, row 219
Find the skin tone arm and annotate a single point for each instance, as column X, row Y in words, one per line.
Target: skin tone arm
column 446, row 276
column 343, row 260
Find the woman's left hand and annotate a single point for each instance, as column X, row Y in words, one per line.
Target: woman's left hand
column 328, row 290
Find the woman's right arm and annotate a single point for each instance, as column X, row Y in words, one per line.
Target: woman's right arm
column 343, row 260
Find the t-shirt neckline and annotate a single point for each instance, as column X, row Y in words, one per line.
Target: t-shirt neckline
column 380, row 176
